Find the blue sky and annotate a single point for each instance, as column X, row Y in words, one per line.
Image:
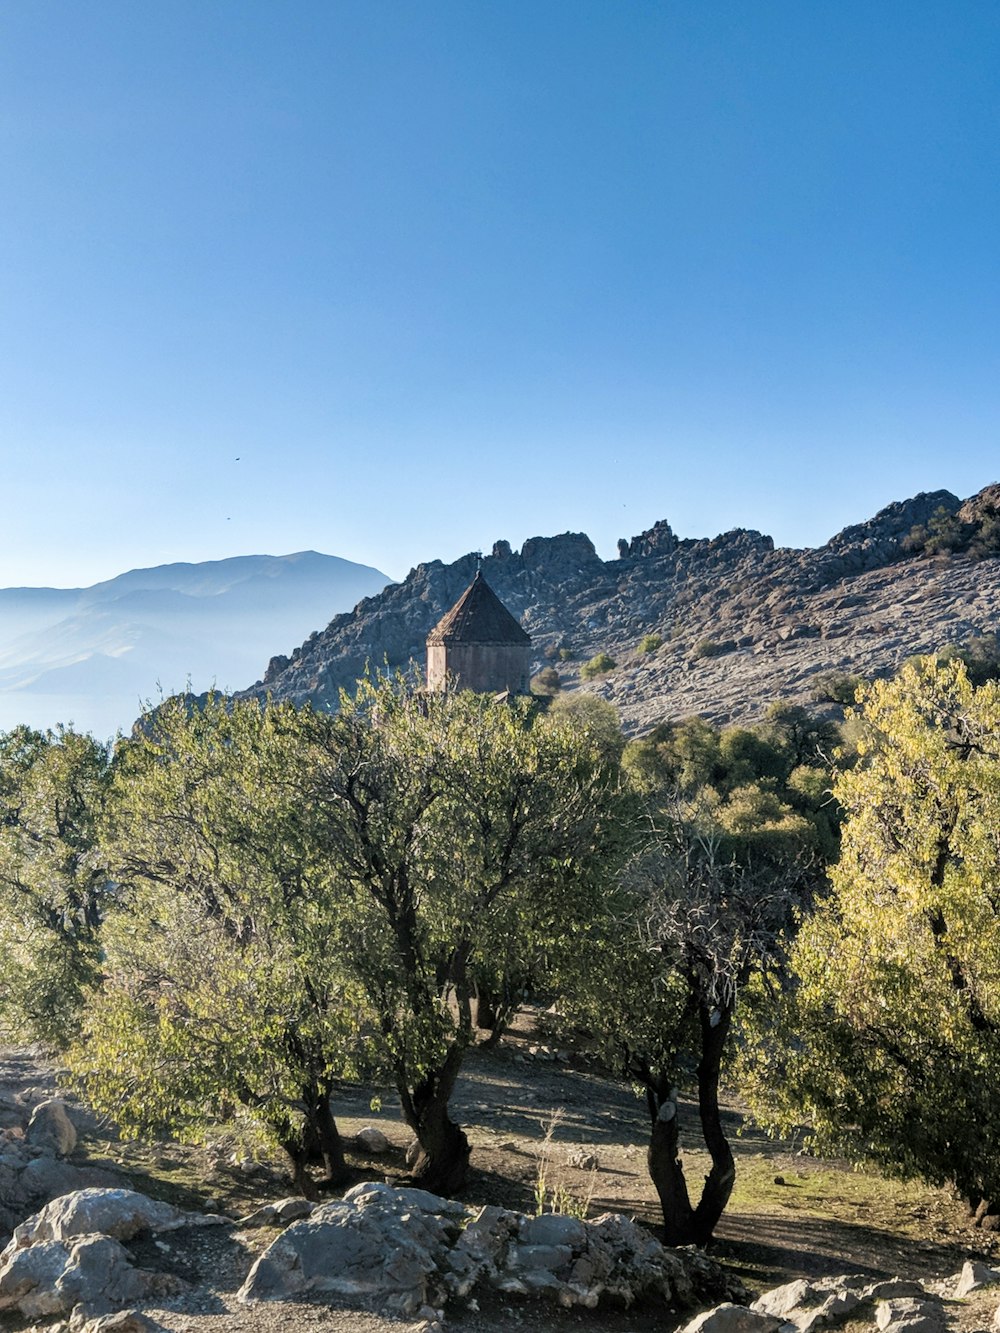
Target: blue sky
column 394, row 278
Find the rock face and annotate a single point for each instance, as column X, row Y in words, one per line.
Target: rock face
column 741, row 622
column 405, row 1249
column 70, row 1256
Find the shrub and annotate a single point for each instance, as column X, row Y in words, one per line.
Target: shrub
column 547, row 682
column 836, row 687
column 599, row 665
column 650, row 642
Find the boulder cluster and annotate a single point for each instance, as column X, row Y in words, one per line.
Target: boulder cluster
column 414, row 1255
column 37, row 1136
column 411, row 1252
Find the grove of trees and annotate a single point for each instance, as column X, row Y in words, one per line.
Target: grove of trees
column 244, row 908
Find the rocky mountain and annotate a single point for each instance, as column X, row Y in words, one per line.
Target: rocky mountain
column 741, row 622
column 91, row 655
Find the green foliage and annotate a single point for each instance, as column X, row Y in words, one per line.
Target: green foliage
column 599, row 665
column 945, row 533
column 220, row 990
column 761, row 792
column 896, row 1011
column 595, row 721
column 836, row 687
column 649, row 643
column 546, row 682
column 980, row 654
column 53, row 884
column 711, row 648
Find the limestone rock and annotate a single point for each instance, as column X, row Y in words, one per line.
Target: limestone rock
column 858, row 605
column 56, row 1276
column 825, row 1302
column 50, row 1128
column 973, row 1276
column 729, row 1318
column 372, row 1140
column 119, row 1213
column 375, row 1244
column 908, row 1314
column 406, row 1248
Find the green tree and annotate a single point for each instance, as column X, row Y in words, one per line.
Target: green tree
column 53, row 883
column 896, row 1010
column 466, row 839
column 740, row 838
column 220, row 986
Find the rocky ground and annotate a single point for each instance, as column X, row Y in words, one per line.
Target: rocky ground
column 742, row 623
column 530, row 1110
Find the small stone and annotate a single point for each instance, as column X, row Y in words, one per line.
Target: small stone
column 372, row 1140
column 584, row 1159
column 779, row 1180
column 290, row 1210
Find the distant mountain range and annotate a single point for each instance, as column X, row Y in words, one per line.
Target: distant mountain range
column 719, row 626
column 93, row 655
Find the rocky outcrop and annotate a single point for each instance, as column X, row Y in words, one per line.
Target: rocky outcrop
column 889, row 1305
column 741, row 623
column 37, row 1135
column 406, row 1250
column 72, row 1256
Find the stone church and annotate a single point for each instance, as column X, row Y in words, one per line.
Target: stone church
column 479, row 645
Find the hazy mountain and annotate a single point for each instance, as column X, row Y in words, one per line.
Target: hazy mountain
column 91, row 655
column 740, row 622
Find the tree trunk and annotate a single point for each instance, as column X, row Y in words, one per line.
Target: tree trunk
column 329, row 1142
column 682, row 1224
column 292, row 1145
column 665, row 1167
column 715, row 1024
column 442, row 1164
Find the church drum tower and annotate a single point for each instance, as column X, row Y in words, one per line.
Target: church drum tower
column 479, row 645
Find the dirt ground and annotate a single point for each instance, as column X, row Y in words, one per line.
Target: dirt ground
column 791, row 1215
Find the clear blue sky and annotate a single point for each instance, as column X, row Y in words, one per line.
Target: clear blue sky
column 441, row 271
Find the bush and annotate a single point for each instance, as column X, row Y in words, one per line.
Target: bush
column 836, row 687
column 547, row 682
column 599, row 665
column 566, row 654
column 650, row 642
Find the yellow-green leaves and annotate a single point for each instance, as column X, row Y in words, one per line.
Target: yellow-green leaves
column 894, row 1029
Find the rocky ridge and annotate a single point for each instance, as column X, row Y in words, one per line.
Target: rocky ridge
column 742, row 623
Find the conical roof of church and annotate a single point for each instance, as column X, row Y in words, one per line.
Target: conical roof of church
column 478, row 616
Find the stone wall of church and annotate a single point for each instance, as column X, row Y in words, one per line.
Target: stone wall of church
column 488, row 668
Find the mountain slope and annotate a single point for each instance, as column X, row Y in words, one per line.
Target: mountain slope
column 742, row 623
column 91, row 655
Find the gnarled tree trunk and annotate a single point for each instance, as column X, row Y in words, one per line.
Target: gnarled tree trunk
column 682, row 1223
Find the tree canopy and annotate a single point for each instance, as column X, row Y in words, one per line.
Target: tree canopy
column 893, row 1023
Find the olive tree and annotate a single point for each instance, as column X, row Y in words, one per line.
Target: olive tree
column 734, row 849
